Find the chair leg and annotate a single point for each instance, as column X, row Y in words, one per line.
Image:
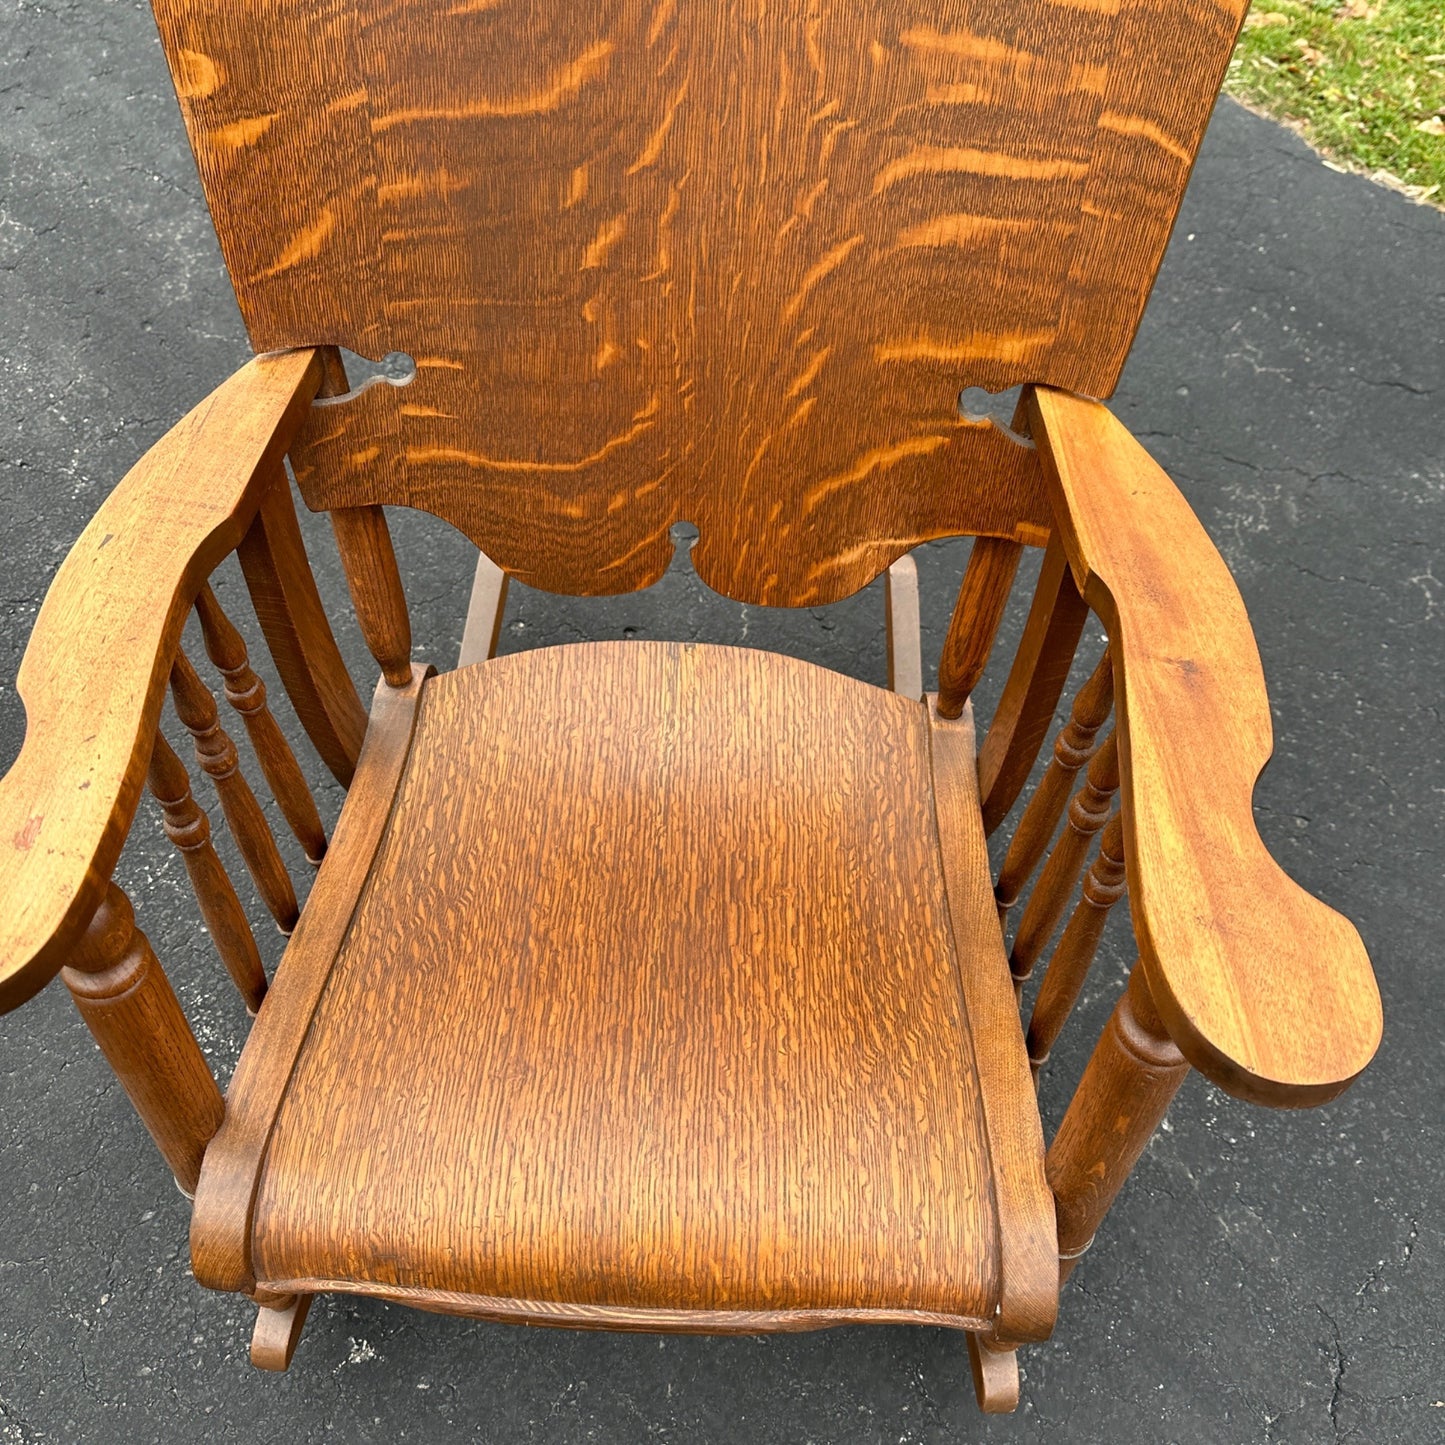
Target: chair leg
column 278, row 1328
column 905, row 646
column 995, row 1375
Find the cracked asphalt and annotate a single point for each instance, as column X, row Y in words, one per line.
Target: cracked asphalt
column 1264, row 1277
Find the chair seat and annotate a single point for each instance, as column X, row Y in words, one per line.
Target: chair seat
column 666, row 991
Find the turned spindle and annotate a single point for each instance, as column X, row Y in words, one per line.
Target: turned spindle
column 189, row 829
column 1072, row 750
column 217, row 756
column 1135, row 1071
column 1087, row 813
column 1104, row 886
column 984, row 593
column 247, row 695
column 133, row 1014
column 376, row 591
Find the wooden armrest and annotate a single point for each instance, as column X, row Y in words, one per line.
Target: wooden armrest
column 94, row 674
column 1265, row 989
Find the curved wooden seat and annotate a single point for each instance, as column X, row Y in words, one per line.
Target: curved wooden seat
column 667, row 989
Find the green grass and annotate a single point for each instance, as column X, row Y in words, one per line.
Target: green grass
column 1363, row 81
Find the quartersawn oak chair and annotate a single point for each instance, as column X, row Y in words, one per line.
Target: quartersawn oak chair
column 666, row 987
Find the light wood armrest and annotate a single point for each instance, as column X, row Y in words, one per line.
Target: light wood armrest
column 1265, row 989
column 94, row 674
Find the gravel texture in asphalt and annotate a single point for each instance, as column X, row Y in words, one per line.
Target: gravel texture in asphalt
column 1264, row 1277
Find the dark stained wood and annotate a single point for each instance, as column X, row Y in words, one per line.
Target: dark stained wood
column 982, row 597
column 730, row 264
column 94, row 675
column 1028, row 1267
column 371, row 573
column 221, row 1221
column 1088, row 812
column 1132, row 1076
column 700, row 995
column 132, row 1013
column 189, row 829
column 1104, row 886
column 247, row 694
column 1073, row 748
column 1266, row 990
column 1035, row 683
column 217, row 756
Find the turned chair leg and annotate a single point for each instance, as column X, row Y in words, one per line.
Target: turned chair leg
column 279, row 1322
column 995, row 1375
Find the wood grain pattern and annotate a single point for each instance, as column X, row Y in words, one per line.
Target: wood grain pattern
column 364, row 541
column 221, row 1220
column 1088, row 812
column 189, row 829
column 93, row 694
column 1104, row 886
column 294, row 624
column 982, row 596
column 1073, row 748
column 132, row 1012
column 247, row 694
column 1035, row 684
column 754, row 1003
column 729, row 264
column 1131, row 1077
column 217, row 755
column 1028, row 1267
column 1267, row 991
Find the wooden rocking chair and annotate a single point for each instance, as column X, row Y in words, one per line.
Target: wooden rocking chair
column 649, row 986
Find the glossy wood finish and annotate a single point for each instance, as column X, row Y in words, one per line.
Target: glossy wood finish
column 132, row 1013
column 1267, row 991
column 364, row 541
column 1073, row 748
column 982, row 596
column 749, row 1120
column 93, row 693
column 1104, row 886
column 222, row 1219
column 1088, row 812
column 247, row 694
column 1132, row 1076
column 293, row 622
column 488, row 600
column 189, row 829
column 728, row 264
column 1027, row 1263
column 1035, row 684
column 217, row 755
column 904, row 628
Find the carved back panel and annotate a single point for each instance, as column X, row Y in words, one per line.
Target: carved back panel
column 710, row 260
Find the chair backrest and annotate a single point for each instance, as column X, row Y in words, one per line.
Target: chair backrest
column 707, row 260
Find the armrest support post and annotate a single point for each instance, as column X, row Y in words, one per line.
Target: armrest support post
column 1134, row 1073
column 133, row 1014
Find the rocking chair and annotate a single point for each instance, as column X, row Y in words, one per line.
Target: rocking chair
column 652, row 986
